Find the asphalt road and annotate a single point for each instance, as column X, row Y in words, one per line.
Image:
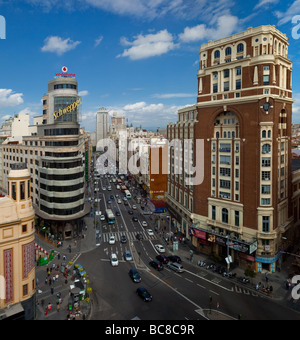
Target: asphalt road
column 175, row 296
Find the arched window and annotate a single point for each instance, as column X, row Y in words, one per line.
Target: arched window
column 240, row 48
column 217, row 54
column 228, row 51
column 264, row 134
column 266, row 148
column 218, row 135
column 269, row 134
column 225, row 134
column 224, row 216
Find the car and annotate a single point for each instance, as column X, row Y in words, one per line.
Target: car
column 150, row 232
column 174, row 258
column 176, row 267
column 109, row 202
column 160, row 248
column 114, row 260
column 134, row 219
column 134, row 207
column 130, row 212
column 111, row 197
column 103, row 188
column 157, row 265
column 109, row 188
column 119, row 201
column 102, row 218
column 98, row 213
column 112, row 240
column 123, row 239
column 162, row 258
column 118, row 213
column 139, row 236
column 144, row 224
column 124, row 199
column 127, row 255
column 144, row 294
column 134, row 275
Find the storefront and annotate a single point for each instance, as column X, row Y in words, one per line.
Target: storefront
column 270, row 264
column 242, row 253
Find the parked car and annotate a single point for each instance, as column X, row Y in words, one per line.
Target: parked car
column 174, row 258
column 156, row 265
column 135, row 276
column 176, row 267
column 160, row 248
column 114, row 260
column 127, row 255
column 144, row 294
column 162, row 259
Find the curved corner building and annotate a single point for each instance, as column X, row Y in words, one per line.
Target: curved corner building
column 60, row 201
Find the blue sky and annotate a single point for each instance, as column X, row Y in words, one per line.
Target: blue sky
column 135, row 57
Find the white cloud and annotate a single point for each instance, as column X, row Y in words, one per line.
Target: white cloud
column 226, row 25
column 59, row 46
column 287, row 16
column 264, row 3
column 8, row 98
column 98, row 41
column 150, row 45
column 83, row 93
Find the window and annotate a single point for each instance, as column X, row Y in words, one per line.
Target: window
column 13, row 191
column 213, row 213
column 265, row 201
column 238, row 84
column 266, row 175
column 215, row 76
column 226, row 73
column 22, row 190
column 225, row 172
column 266, row 148
column 226, row 86
column 266, row 80
column 237, row 218
column 217, row 54
column 224, row 184
column 265, row 189
column 240, row 48
column 266, row 224
column 215, row 88
column 24, row 228
column 225, row 216
column 264, row 134
column 225, row 159
column 228, row 51
column 25, row 290
column 238, row 71
column 266, row 162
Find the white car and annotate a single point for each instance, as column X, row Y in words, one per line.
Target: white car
column 103, row 188
column 97, row 200
column 98, row 213
column 134, row 207
column 144, row 224
column 160, row 248
column 102, row 218
column 114, row 260
column 150, row 232
column 119, row 201
column 112, row 240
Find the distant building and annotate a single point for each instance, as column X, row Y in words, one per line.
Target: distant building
column 102, row 127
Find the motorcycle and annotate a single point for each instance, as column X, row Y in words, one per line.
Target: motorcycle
column 201, row 264
column 244, row 280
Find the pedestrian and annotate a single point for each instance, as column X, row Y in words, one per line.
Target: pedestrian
column 52, row 290
column 58, row 256
column 46, row 280
column 58, row 307
column 49, row 307
column 50, row 281
column 46, row 312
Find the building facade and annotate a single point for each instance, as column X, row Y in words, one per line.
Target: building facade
column 244, row 111
column 56, row 154
column 102, row 127
column 17, row 250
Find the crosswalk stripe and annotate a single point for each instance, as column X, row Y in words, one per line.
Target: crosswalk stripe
column 131, row 236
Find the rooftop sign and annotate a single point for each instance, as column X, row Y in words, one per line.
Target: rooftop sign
column 65, row 73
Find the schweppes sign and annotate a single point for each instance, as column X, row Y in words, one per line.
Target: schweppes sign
column 72, row 107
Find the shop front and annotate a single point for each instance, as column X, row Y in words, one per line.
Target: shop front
column 269, row 264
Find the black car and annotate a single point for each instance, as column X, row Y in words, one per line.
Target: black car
column 130, row 212
column 123, row 239
column 135, row 276
column 162, row 259
column 144, row 294
column 134, row 219
column 139, row 236
column 174, row 258
column 118, row 213
column 157, row 265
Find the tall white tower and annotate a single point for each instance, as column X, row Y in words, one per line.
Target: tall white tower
column 102, row 125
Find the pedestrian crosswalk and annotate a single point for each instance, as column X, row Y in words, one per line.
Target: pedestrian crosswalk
column 130, row 235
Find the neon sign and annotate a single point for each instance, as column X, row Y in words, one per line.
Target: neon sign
column 72, row 107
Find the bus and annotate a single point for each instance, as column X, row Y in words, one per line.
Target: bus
column 127, row 194
column 110, row 216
